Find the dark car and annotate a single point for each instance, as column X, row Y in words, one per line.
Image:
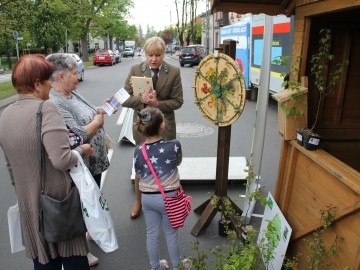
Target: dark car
column 104, row 57
column 192, row 55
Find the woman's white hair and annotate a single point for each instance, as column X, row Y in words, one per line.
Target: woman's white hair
column 62, row 63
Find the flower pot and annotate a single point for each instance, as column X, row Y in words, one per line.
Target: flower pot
column 311, row 140
column 244, row 232
column 224, row 227
column 300, row 136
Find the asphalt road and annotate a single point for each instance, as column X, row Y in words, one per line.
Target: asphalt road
column 103, row 82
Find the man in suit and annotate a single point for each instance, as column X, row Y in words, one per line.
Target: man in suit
column 166, row 94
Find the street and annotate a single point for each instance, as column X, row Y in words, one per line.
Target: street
column 103, row 82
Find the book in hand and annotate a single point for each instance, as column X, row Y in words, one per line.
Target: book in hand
column 140, row 84
column 116, row 101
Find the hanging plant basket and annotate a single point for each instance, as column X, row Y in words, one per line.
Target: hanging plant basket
column 311, row 140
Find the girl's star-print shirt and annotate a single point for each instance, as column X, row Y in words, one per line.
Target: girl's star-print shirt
column 164, row 156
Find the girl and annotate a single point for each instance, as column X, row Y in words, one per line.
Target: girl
column 164, row 156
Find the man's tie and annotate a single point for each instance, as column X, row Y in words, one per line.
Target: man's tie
column 155, row 77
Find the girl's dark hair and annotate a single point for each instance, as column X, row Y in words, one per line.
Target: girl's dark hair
column 149, row 121
column 29, row 69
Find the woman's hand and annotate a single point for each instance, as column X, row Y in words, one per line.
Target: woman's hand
column 149, row 97
column 99, row 119
column 101, row 110
column 88, row 150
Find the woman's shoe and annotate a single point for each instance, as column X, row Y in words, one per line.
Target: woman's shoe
column 135, row 211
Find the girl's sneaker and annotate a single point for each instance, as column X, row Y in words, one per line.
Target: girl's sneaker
column 164, row 264
column 186, row 263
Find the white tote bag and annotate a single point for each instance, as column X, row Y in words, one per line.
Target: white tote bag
column 96, row 213
column 16, row 243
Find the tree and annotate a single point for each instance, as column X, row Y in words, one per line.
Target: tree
column 111, row 24
column 88, row 15
column 139, row 39
column 167, row 35
column 150, row 32
column 12, row 19
column 185, row 28
column 46, row 25
column 180, row 25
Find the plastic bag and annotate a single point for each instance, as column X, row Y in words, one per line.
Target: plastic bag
column 96, row 213
column 16, row 243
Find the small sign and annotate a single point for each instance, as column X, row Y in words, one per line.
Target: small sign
column 20, row 38
column 15, row 34
column 281, row 238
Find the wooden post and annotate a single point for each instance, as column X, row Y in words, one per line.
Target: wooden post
column 209, row 208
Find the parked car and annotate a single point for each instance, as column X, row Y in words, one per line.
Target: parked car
column 128, row 52
column 192, row 55
column 117, row 56
column 80, row 66
column 104, row 57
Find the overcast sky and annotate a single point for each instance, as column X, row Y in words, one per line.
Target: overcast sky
column 157, row 13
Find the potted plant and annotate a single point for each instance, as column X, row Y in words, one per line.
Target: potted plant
column 324, row 82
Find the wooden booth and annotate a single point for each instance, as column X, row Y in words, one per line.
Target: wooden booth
column 310, row 181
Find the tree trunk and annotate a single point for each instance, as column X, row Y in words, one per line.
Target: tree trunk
column 84, row 47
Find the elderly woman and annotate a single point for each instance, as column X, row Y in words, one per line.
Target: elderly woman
column 165, row 94
column 80, row 115
column 18, row 139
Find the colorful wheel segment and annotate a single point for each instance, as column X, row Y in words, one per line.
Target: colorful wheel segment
column 219, row 89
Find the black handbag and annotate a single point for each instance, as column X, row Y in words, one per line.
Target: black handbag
column 58, row 220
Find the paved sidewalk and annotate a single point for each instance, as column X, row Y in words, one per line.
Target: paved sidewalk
column 8, row 100
column 5, row 77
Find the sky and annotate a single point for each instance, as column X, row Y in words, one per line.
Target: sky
column 164, row 13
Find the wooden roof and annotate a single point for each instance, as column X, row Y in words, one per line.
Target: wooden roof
column 269, row 7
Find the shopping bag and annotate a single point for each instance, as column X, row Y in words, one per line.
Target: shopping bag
column 16, row 243
column 96, row 212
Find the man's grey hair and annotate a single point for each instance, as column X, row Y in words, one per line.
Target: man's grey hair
column 62, row 63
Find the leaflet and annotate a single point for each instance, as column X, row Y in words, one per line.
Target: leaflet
column 116, row 101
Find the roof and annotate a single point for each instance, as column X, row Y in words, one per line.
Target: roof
column 269, row 7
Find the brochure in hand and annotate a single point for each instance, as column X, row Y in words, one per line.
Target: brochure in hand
column 116, row 101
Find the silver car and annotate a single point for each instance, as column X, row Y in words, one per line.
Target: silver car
column 80, row 66
column 128, row 52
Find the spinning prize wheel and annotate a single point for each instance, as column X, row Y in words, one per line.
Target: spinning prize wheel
column 220, row 90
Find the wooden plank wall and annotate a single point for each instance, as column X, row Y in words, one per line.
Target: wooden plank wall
column 308, row 182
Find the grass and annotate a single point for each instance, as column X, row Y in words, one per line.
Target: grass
column 88, row 64
column 6, row 89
